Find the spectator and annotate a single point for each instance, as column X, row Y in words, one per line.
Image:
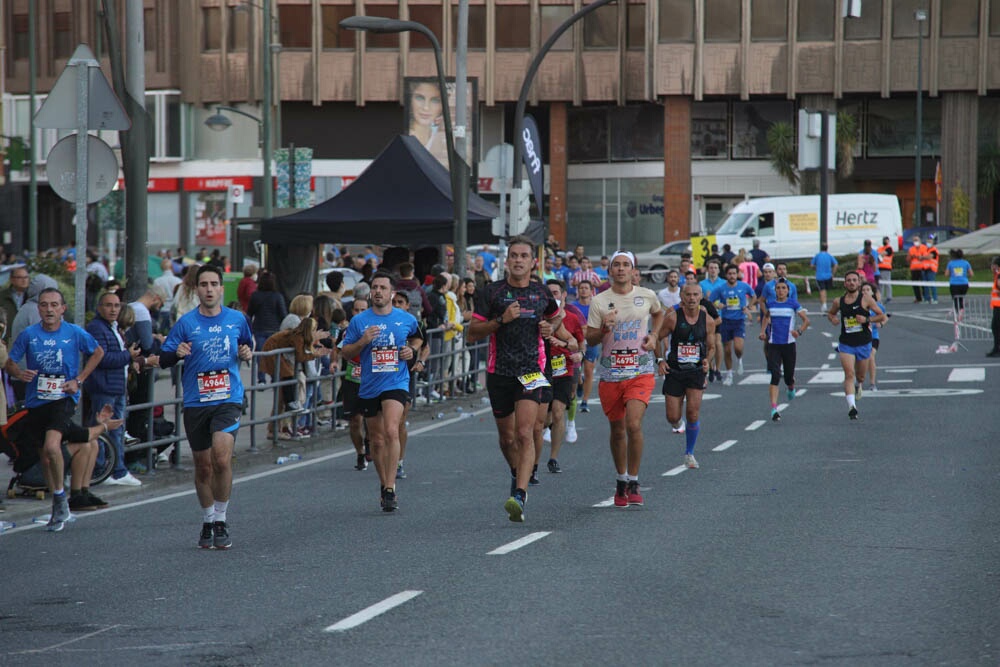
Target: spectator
column 247, row 286
column 150, row 302
column 304, row 339
column 13, row 296
column 168, row 283
column 186, row 295
column 727, row 254
column 335, row 283
column 435, row 327
column 299, row 309
column 265, row 310
column 407, row 284
column 28, row 314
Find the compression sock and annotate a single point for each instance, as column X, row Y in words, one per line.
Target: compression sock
column 691, row 435
column 220, row 510
column 571, row 411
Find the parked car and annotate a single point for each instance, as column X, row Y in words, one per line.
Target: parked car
column 942, row 234
column 658, row 260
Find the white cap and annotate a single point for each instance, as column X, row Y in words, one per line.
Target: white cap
column 768, row 265
column 623, row 253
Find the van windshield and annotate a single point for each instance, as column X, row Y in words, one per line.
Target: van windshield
column 733, row 224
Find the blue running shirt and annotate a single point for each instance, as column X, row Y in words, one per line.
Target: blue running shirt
column 56, row 356
column 782, row 320
column 733, row 299
column 824, row 264
column 381, row 368
column 767, row 292
column 212, row 370
column 958, row 271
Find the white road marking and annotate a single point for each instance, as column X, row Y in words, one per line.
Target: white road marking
column 967, row 375
column 782, row 407
column 68, row 641
column 831, row 356
column 824, row 367
column 724, row 446
column 757, row 378
column 908, row 393
column 605, row 503
column 755, row 425
column 354, row 620
column 828, row 377
column 894, row 381
column 517, row 544
column 674, row 471
column 899, row 370
column 801, row 392
column 827, row 334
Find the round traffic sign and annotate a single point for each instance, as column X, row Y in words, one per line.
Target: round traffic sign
column 102, row 168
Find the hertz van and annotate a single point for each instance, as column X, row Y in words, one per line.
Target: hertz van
column 788, row 227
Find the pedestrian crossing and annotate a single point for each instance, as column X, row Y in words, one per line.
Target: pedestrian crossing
column 888, row 376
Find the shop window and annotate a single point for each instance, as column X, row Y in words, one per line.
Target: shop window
column 636, row 132
column 868, row 25
column 476, row 40
column 552, row 17
column 723, row 20
column 430, row 16
column 676, row 20
column 816, row 19
column 335, row 37
column 769, row 20
column 295, row 26
column 587, row 134
column 513, row 26
column 709, row 130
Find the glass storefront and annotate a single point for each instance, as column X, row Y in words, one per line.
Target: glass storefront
column 611, row 213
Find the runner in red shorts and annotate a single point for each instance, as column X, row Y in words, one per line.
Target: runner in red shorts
column 620, row 321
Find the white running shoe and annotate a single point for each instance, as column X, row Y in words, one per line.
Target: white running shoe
column 680, row 428
column 571, row 435
column 547, row 435
column 739, row 366
column 128, row 480
column 690, row 461
column 727, row 380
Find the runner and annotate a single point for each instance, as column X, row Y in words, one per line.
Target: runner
column 851, row 312
column 514, row 313
column 383, row 336
column 692, row 337
column 349, row 398
column 708, row 285
column 212, row 340
column 869, row 368
column 777, row 318
column 959, row 271
column 416, row 365
column 735, row 297
column 825, row 265
column 565, row 359
column 624, row 321
column 670, row 295
column 585, row 292
column 52, row 350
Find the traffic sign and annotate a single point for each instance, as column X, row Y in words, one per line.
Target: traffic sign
column 102, row 168
column 104, row 110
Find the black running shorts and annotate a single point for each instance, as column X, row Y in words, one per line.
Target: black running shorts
column 370, row 407
column 677, row 383
column 200, row 424
column 506, row 391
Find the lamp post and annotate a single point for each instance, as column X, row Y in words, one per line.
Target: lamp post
column 219, row 122
column 920, row 15
column 456, row 164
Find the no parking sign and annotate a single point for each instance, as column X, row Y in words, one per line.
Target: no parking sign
column 236, row 193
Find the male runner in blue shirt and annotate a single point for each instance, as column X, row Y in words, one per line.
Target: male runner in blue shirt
column 735, row 297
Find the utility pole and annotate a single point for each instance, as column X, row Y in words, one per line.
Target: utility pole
column 461, row 129
column 32, row 148
column 136, row 154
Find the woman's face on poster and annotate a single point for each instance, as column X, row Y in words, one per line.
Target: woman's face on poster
column 425, row 104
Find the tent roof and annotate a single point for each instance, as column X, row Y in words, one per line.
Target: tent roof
column 980, row 242
column 402, row 198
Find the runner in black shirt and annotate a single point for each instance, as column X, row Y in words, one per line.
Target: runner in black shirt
column 853, row 313
column 515, row 313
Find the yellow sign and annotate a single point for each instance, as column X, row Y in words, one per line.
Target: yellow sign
column 803, row 222
column 701, row 248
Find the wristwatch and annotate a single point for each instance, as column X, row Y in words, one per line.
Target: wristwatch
column 499, row 320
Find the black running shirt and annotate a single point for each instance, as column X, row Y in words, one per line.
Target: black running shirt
column 516, row 348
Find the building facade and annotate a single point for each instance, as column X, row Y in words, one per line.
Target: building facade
column 654, row 113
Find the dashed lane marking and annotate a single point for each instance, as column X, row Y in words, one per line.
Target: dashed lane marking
column 674, row 471
column 377, row 609
column 724, row 446
column 967, row 375
column 517, row 544
column 755, row 425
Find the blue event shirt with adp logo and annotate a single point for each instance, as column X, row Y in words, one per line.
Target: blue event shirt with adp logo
column 56, row 356
column 212, row 370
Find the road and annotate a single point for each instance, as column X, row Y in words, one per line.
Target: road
column 814, row 541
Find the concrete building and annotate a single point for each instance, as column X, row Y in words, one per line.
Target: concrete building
column 654, row 113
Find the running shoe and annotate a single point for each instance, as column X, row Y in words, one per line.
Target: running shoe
column 81, row 503
column 739, row 366
column 621, row 493
column 533, row 480
column 873, row 388
column 571, row 434
column 584, row 407
column 400, row 472
column 207, row 539
column 515, row 508
column 389, row 502
column 361, row 464
column 680, row 428
column 853, row 413
column 220, row 536
column 96, row 501
column 857, row 391
column 579, row 391
column 690, row 461
column 547, row 435
column 554, row 466
column 727, row 381
column 790, row 394
column 775, row 416
column 632, row 493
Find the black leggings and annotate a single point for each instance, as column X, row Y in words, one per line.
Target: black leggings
column 958, row 295
column 778, row 357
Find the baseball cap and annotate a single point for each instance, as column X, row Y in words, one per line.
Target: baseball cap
column 623, row 253
column 768, row 265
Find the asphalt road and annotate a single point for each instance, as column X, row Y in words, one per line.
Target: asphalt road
column 813, row 541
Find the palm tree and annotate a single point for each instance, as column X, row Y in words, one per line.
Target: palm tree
column 784, row 151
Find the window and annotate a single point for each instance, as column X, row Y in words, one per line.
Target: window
column 709, row 130
column 904, row 23
column 430, row 16
column 600, row 28
column 960, row 19
column 587, row 134
column 238, row 29
column 764, row 224
column 477, row 27
column 636, row 132
column 149, row 30
column 892, row 127
column 768, row 20
column 723, row 18
column 676, row 20
column 816, row 19
column 512, row 26
column 335, row 37
column 868, row 26
column 635, row 28
column 62, row 35
column 994, row 18
column 211, row 29
column 295, row 26
column 552, row 17
column 20, row 25
column 375, row 40
column 751, row 121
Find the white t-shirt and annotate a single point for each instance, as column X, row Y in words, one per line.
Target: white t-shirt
column 622, row 356
column 669, row 299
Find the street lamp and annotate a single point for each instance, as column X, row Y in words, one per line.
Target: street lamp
column 456, row 164
column 218, row 122
column 920, row 15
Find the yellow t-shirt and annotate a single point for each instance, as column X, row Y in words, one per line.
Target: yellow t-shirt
column 622, row 356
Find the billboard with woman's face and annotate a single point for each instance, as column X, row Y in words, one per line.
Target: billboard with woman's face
column 424, row 107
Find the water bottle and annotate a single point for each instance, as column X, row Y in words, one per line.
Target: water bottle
column 6, row 525
column 459, row 409
column 294, row 457
column 440, row 415
column 282, row 460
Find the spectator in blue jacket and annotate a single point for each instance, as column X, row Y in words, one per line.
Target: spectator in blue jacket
column 107, row 384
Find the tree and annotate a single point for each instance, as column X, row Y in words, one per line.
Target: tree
column 784, row 151
column 847, row 141
column 960, row 206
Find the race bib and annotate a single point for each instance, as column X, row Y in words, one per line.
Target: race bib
column 624, row 360
column 851, row 325
column 532, row 381
column 733, row 303
column 50, row 387
column 385, row 359
column 213, row 386
column 559, row 366
column 688, row 354
column 355, row 371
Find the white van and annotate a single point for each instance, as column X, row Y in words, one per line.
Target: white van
column 788, row 227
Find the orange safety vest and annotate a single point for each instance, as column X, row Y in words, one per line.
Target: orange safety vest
column 885, row 255
column 995, row 296
column 916, row 256
column 931, row 259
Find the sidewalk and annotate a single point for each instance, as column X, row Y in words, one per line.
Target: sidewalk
column 165, row 478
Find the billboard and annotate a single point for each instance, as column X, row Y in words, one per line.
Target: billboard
column 424, row 108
